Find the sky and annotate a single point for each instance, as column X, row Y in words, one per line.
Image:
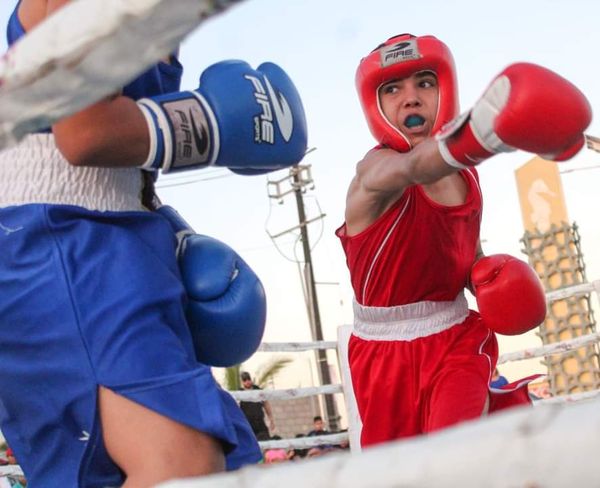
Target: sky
column 319, row 43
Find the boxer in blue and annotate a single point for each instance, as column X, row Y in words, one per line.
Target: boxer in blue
column 106, row 352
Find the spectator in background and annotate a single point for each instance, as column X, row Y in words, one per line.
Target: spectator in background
column 10, row 456
column 297, row 454
column 255, row 411
column 275, row 456
column 498, row 381
column 315, row 452
column 13, row 480
column 344, row 445
column 318, row 427
column 539, row 391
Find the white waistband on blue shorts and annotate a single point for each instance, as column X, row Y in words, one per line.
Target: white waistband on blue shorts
column 34, row 171
column 408, row 322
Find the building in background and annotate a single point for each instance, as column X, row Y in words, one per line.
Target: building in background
column 552, row 245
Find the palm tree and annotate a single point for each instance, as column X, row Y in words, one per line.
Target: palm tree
column 232, row 381
column 266, row 372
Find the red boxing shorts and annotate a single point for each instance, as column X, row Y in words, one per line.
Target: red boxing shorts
column 420, row 367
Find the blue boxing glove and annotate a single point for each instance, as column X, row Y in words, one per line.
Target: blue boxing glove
column 226, row 310
column 251, row 121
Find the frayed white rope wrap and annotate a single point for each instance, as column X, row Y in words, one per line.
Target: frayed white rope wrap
column 55, row 71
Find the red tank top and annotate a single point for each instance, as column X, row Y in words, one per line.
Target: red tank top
column 417, row 250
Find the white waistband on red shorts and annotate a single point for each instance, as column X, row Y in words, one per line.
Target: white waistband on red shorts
column 34, row 171
column 408, row 322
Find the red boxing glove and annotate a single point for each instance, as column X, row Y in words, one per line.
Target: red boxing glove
column 526, row 107
column 509, row 294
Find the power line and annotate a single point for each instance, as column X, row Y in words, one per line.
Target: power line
column 298, row 180
column 192, row 173
column 195, row 180
column 583, row 168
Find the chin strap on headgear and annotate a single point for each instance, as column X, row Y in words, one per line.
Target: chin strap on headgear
column 397, row 58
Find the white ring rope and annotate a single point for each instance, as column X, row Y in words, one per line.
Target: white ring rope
column 296, row 346
column 551, row 446
column 574, row 290
column 288, row 394
column 305, row 442
column 572, row 398
column 554, row 348
column 54, row 71
column 336, row 439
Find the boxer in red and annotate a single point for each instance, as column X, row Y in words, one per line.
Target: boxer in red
column 420, row 360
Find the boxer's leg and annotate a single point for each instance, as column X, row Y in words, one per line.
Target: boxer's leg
column 150, row 447
column 384, row 389
column 459, row 390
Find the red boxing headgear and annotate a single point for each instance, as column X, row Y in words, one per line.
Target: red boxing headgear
column 399, row 57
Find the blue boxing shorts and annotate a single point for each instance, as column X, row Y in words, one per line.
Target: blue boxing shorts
column 90, row 298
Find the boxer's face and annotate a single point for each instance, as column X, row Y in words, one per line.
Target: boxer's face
column 410, row 104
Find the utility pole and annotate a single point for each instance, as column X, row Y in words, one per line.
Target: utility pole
column 300, row 177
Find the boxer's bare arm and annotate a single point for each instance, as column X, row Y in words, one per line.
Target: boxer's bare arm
column 32, row 12
column 478, row 255
column 382, row 176
column 112, row 132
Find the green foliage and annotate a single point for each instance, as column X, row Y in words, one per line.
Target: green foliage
column 269, row 370
column 232, row 378
column 264, row 374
